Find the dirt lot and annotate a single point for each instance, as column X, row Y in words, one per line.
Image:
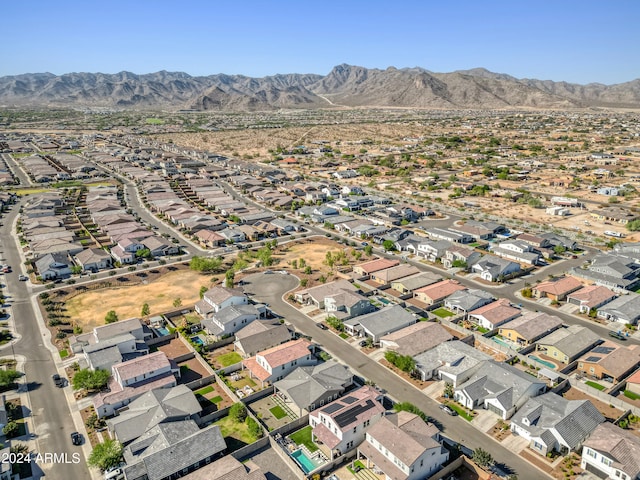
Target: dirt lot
column 89, row 309
column 610, row 412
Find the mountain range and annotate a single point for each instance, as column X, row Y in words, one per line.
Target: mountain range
column 344, row 86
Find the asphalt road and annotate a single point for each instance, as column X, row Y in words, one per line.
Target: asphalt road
column 50, row 421
column 270, row 288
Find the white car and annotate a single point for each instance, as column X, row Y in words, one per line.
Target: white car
column 23, row 278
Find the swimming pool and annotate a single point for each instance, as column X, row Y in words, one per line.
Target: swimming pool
column 162, row 331
column 384, row 300
column 197, row 340
column 503, row 343
column 552, row 366
column 307, row 464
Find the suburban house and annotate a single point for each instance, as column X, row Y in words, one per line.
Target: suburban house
column 610, row 362
column 432, row 250
column 529, row 328
column 556, row 289
column 454, row 362
column 316, row 295
column 386, row 276
column 94, row 259
column 590, row 297
column 160, row 247
column 517, row 250
column 633, row 383
column 161, row 405
column 403, row 447
column 611, row 452
column 217, row 298
column 341, row 425
column 416, row 338
column 347, row 304
column 382, row 322
column 494, row 269
column 367, row 268
column 229, row 320
column 53, row 266
column 464, row 301
column 498, row 387
column 551, row 422
column 624, row 309
column 311, row 387
column 259, row 336
column 492, row 315
column 614, row 271
column 407, row 285
column 227, row 468
column 276, row 362
column 458, row 254
column 133, row 378
column 436, row 293
column 449, row 235
column 171, row 450
column 566, row 344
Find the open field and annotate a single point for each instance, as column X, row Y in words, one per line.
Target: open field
column 89, row 309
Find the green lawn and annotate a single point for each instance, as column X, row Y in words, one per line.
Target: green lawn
column 344, row 336
column 595, row 385
column 357, row 463
column 278, row 412
column 217, row 399
column 461, row 411
column 443, row 312
column 229, row 359
column 631, row 395
column 236, row 434
column 64, row 353
column 154, row 121
column 205, row 390
column 303, row 437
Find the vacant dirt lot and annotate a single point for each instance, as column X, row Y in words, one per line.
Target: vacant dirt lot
column 89, row 309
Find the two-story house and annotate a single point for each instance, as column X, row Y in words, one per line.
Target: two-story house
column 217, row 298
column 277, row 362
column 611, row 452
column 403, row 447
column 341, row 426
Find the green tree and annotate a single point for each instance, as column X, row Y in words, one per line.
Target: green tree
column 177, row 302
column 238, row 412
column 11, row 429
column 7, row 377
column 145, row 310
column 76, row 269
column 336, row 323
column 202, row 264
column 410, row 407
column 559, row 249
column 111, row 317
column 203, row 290
column 448, row 390
column 368, row 250
column 90, row 379
column 144, row 253
column 229, row 278
column 459, row 263
column 254, row 429
column 482, row 457
column 264, row 255
column 330, row 260
column 308, row 270
column 106, row 455
column 633, row 226
column 389, row 245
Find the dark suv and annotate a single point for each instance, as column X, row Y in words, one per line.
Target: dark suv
column 57, row 380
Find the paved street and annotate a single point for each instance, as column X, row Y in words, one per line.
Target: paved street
column 270, row 288
column 50, row 422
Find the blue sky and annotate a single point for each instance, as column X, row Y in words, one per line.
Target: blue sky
column 576, row 41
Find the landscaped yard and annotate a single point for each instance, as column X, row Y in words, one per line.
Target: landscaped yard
column 631, row 395
column 344, row 336
column 64, row 353
column 278, row 412
column 236, row 434
column 595, row 385
column 303, row 437
column 229, row 359
column 460, row 411
column 443, row 312
column 205, row 390
column 241, row 383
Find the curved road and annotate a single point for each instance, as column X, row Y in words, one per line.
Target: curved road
column 270, row 289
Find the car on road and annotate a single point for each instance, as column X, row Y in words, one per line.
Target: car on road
column 57, row 380
column 268, row 272
column 448, row 410
column 364, row 244
column 322, row 326
column 333, row 477
column 6, row 269
column 23, row 278
column 617, row 335
column 363, row 343
column 76, row 438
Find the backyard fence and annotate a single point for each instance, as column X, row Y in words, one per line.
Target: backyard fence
column 605, row 397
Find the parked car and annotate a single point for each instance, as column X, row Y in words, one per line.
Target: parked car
column 322, row 326
column 363, row 343
column 76, row 438
column 57, row 380
column 23, row 278
column 448, row 410
column 617, row 335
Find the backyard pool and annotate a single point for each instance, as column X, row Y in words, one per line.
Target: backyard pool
column 307, row 464
column 197, row 340
column 499, row 341
column 384, row 300
column 552, row 366
column 162, row 331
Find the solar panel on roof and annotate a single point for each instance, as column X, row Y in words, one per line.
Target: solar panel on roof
column 345, row 418
column 603, row 350
column 334, row 407
column 349, row 400
column 592, row 359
